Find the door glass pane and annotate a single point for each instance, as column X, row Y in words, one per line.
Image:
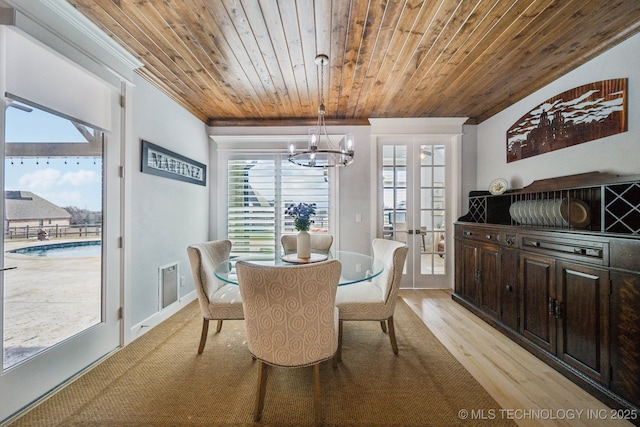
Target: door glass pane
column 394, row 192
column 53, row 230
column 432, row 209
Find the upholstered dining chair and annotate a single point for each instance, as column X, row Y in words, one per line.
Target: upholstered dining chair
column 218, row 300
column 291, row 319
column 375, row 299
column 320, row 243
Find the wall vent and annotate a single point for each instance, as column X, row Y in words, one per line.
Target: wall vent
column 168, row 284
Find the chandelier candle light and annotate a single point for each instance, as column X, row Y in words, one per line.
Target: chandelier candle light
column 315, row 156
column 302, row 221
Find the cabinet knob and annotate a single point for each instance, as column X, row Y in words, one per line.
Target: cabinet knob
column 509, row 241
column 489, row 236
column 509, row 288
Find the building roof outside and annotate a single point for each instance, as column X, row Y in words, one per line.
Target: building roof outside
column 25, row 205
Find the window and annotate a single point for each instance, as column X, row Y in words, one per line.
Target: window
column 259, row 188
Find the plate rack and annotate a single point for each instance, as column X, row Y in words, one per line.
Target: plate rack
column 594, row 202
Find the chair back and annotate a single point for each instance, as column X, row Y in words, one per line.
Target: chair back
column 393, row 255
column 320, row 243
column 290, row 312
column 203, row 258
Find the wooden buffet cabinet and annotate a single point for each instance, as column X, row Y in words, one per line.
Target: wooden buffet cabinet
column 564, row 285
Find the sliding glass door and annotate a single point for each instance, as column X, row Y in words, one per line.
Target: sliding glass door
column 259, row 189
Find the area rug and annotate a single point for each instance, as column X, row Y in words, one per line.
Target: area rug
column 160, row 380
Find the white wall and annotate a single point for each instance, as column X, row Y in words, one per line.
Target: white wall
column 469, row 163
column 166, row 215
column 617, row 154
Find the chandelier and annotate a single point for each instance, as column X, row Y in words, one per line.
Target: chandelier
column 318, row 155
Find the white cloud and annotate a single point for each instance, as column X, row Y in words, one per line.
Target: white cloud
column 47, row 179
column 39, row 181
column 83, row 177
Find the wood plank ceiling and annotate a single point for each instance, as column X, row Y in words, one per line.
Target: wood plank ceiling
column 251, row 62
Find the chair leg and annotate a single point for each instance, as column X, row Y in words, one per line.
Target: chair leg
column 262, row 388
column 317, row 395
column 383, row 325
column 219, row 327
column 338, row 355
column 203, row 336
column 392, row 336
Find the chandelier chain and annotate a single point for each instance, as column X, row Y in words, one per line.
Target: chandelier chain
column 316, row 156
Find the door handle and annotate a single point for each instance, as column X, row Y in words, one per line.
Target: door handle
column 8, row 268
column 410, row 231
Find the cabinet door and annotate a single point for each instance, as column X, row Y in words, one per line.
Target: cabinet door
column 625, row 339
column 488, row 258
column 537, row 293
column 583, row 325
column 509, row 288
column 469, row 272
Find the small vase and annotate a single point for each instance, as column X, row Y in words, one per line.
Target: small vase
column 304, row 245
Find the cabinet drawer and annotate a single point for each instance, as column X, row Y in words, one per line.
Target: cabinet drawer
column 490, row 235
column 591, row 252
column 482, row 234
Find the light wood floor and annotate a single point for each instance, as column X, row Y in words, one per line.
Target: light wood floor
column 530, row 392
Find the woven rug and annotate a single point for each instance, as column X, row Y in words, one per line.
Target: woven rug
column 160, row 380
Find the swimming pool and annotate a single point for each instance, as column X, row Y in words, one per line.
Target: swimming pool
column 63, row 250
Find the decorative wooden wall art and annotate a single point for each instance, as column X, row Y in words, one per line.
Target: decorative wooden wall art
column 162, row 162
column 581, row 114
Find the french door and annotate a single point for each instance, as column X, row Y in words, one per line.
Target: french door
column 415, row 208
column 60, row 141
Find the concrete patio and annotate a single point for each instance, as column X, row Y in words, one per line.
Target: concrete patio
column 47, row 300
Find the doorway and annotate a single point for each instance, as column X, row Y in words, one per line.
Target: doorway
column 415, row 208
column 58, row 315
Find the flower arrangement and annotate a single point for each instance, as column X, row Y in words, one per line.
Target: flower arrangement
column 301, row 214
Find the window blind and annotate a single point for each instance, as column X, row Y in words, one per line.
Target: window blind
column 36, row 74
column 259, row 191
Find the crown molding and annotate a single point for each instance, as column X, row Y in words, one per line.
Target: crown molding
column 417, row 125
column 67, row 23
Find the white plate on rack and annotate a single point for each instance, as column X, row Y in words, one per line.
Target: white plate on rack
column 538, row 207
column 518, row 212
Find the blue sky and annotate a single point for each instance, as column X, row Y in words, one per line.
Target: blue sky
column 65, row 181
column 68, row 184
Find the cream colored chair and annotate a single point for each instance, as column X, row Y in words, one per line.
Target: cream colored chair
column 320, row 243
column 291, row 319
column 375, row 299
column 218, row 300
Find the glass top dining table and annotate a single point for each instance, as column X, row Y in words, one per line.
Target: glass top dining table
column 355, row 267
